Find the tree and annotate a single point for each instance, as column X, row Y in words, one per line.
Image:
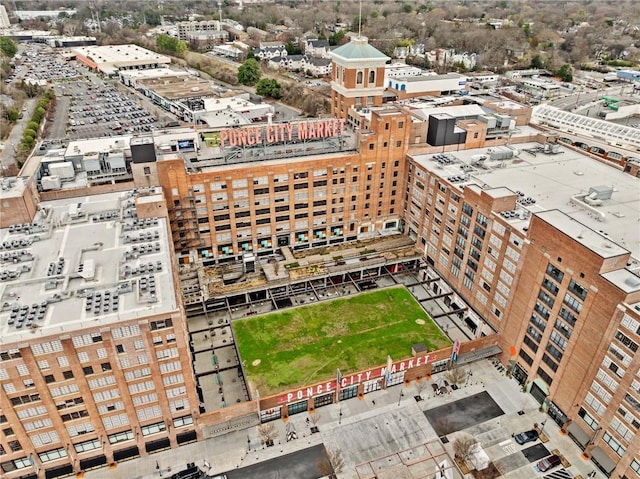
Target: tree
column 292, row 48
column 267, row 433
column 463, row 446
column 332, row 463
column 269, row 87
column 8, row 47
column 11, row 114
column 249, row 72
column 536, row 62
column 565, row 73
column 456, row 375
column 336, row 38
column 171, row 44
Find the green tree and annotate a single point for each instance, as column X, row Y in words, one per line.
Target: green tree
column 565, row 73
column 8, row 47
column 269, row 87
column 249, row 72
column 536, row 62
column 12, row 114
column 171, row 44
column 292, row 48
column 407, row 7
column 336, row 38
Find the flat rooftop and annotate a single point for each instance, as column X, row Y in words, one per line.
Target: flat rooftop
column 550, row 182
column 83, row 261
column 178, row 87
column 13, row 187
column 112, row 54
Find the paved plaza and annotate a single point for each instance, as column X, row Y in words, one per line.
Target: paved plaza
column 384, row 434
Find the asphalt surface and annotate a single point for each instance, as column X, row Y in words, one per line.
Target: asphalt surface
column 464, row 413
column 58, row 125
column 8, row 155
column 536, row 452
column 303, row 464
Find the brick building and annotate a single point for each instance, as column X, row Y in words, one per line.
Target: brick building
column 94, row 357
column 535, row 244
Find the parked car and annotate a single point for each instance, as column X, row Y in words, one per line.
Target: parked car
column 526, row 436
column 548, row 463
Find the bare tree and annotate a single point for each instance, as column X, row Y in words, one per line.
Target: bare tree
column 456, row 375
column 463, row 446
column 267, row 433
column 315, row 418
column 332, row 463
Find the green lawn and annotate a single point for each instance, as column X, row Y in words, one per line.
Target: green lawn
column 304, row 345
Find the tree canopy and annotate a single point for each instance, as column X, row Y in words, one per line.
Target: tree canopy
column 168, row 43
column 8, row 46
column 565, row 73
column 249, row 72
column 269, row 87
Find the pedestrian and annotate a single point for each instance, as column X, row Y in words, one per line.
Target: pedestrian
column 206, row 464
column 307, row 422
column 373, row 402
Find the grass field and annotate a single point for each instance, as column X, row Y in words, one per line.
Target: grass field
column 304, row 345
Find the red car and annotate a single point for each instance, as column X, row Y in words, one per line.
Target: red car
column 548, row 463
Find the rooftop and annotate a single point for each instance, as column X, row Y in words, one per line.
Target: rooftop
column 359, row 49
column 177, row 87
column 13, row 187
column 545, row 182
column 110, row 54
column 83, row 261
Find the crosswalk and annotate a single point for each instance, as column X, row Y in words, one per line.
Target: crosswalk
column 559, row 474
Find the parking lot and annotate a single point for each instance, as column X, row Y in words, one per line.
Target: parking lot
column 40, row 63
column 98, row 109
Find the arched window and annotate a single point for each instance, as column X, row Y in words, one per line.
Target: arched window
column 372, row 77
column 359, row 78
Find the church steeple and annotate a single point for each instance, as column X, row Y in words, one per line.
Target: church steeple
column 357, row 77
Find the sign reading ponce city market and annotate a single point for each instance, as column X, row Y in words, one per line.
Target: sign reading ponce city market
column 282, row 132
column 353, row 379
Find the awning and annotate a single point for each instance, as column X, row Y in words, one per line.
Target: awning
column 93, row 462
column 599, row 456
column 578, row 434
column 478, row 354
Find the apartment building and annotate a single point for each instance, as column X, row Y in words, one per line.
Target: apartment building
column 186, row 29
column 542, row 245
column 537, row 247
column 94, row 360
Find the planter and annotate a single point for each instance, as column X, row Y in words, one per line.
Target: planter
column 314, row 429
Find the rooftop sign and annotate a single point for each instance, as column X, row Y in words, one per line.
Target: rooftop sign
column 282, row 132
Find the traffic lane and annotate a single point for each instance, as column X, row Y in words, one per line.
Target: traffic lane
column 305, row 464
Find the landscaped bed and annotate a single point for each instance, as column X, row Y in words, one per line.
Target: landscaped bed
column 303, row 345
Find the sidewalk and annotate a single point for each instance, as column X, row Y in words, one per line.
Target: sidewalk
column 383, row 423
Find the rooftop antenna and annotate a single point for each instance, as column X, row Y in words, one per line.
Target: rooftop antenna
column 360, row 21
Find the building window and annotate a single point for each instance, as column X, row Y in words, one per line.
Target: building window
column 359, row 77
column 555, row 273
column 372, row 76
column 544, row 376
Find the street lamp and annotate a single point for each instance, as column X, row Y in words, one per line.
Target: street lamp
column 248, row 443
column 401, row 396
column 340, row 416
column 542, row 426
column 469, row 374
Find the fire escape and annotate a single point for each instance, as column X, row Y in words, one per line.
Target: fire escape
column 184, row 223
